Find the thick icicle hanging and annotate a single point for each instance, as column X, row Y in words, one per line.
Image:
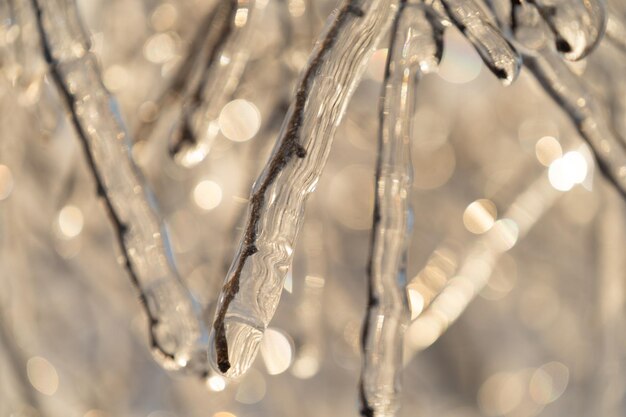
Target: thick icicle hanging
column 255, row 280
column 176, row 328
column 416, row 47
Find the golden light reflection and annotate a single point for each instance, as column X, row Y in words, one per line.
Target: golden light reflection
column 567, row 171
column 70, row 221
column 480, row 216
column 115, row 78
column 548, row 149
column 241, row 17
column 239, row 120
column 416, row 302
column 505, row 234
column 207, row 194
column 160, row 48
column 549, row 382
column 6, row 182
column 305, row 367
column 429, row 282
column 277, row 351
column 216, row 383
column 42, row 375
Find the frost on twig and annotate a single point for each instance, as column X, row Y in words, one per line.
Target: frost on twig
column 570, row 93
column 176, row 329
column 494, row 49
column 228, row 50
column 254, row 283
column 415, row 47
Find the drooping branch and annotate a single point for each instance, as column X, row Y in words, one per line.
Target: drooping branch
column 176, row 331
column 577, row 25
column 585, row 112
column 415, row 47
column 252, row 289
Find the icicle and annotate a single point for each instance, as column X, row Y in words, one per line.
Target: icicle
column 175, row 325
column 477, row 266
column 228, row 53
column 254, row 283
column 569, row 92
column 416, row 46
column 497, row 53
column 578, row 25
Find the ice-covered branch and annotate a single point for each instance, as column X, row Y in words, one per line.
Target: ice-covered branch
column 494, row 49
column 577, row 25
column 254, row 283
column 176, row 329
column 569, row 92
column 415, row 47
column 228, row 49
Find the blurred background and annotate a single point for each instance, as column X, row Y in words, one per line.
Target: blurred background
column 505, row 195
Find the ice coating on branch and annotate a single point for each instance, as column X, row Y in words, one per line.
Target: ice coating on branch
column 177, row 338
column 496, row 52
column 255, row 280
column 577, row 25
column 585, row 111
column 415, row 47
column 477, row 265
column 228, row 49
